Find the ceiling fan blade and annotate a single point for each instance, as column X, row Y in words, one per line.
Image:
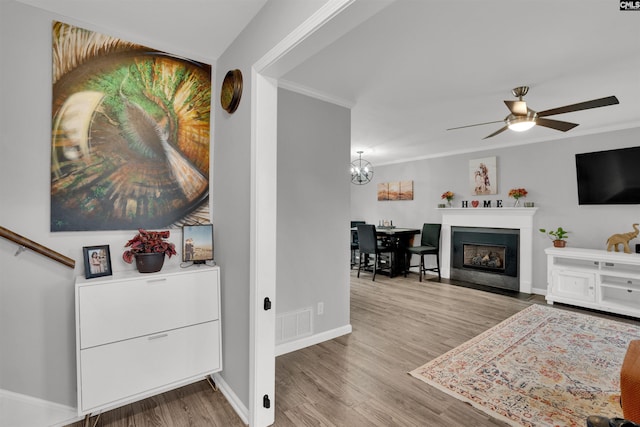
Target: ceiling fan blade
column 497, row 132
column 555, row 124
column 518, row 108
column 594, row 103
column 477, row 124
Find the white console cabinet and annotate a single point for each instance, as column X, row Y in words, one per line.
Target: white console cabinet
column 142, row 334
column 596, row 279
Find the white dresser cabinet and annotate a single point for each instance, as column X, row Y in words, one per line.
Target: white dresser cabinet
column 142, row 334
column 597, row 279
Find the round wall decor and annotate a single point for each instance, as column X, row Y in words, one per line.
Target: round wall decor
column 231, row 91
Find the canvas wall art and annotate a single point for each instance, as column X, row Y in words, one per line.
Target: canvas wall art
column 395, row 190
column 406, row 190
column 130, row 135
column 383, row 191
column 483, row 176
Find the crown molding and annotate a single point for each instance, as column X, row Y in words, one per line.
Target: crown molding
column 304, row 90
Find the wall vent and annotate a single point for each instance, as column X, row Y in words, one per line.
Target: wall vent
column 293, row 325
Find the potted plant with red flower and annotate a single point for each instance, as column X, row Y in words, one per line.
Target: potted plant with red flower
column 149, row 249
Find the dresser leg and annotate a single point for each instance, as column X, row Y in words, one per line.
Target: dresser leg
column 87, row 420
column 212, row 383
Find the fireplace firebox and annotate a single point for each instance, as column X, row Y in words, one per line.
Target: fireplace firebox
column 485, row 256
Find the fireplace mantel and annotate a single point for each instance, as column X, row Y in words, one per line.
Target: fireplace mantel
column 514, row 218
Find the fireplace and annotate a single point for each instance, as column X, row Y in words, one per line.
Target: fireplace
column 518, row 219
column 485, row 256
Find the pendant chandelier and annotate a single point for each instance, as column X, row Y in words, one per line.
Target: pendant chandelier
column 361, row 170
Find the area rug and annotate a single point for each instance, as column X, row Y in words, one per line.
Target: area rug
column 543, row 366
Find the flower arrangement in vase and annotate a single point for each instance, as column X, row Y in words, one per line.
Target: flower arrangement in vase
column 516, row 193
column 449, row 196
column 147, row 245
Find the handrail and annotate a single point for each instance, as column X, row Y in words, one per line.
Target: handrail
column 30, row 244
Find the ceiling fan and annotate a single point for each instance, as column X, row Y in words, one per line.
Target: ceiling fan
column 523, row 118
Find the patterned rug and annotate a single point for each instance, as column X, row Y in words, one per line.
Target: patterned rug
column 541, row 367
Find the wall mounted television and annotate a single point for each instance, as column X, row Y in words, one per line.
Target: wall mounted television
column 609, row 177
column 197, row 243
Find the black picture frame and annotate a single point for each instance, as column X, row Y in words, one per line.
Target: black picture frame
column 197, row 243
column 100, row 268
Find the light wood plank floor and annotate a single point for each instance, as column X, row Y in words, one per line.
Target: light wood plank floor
column 360, row 379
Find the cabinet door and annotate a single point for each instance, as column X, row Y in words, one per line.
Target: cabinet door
column 118, row 311
column 575, row 285
column 114, row 373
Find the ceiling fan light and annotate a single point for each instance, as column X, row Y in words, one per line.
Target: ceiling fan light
column 521, row 126
column 521, row 123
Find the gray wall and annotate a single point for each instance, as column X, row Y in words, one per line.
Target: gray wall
column 37, row 325
column 313, row 209
column 231, row 175
column 546, row 170
column 37, row 295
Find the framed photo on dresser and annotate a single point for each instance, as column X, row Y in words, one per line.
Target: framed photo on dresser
column 97, row 261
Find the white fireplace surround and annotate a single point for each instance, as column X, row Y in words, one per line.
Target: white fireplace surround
column 514, row 218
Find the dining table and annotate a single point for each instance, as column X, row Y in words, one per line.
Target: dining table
column 399, row 239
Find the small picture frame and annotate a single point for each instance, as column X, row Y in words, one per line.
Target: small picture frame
column 197, row 243
column 97, row 261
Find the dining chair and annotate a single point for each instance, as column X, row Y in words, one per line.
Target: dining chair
column 354, row 241
column 429, row 245
column 368, row 245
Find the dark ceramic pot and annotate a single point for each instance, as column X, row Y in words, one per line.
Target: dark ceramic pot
column 149, row 263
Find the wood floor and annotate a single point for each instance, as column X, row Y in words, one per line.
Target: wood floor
column 360, row 379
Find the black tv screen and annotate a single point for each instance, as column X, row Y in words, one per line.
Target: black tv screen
column 609, row 177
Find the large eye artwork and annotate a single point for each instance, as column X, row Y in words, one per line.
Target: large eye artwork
column 130, row 135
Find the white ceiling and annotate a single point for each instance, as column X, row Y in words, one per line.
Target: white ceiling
column 203, row 29
column 419, row 67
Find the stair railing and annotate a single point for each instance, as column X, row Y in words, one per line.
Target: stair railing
column 36, row 247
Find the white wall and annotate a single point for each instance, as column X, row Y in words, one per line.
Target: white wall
column 546, row 170
column 37, row 327
column 313, row 209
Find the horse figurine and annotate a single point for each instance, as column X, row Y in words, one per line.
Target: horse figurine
column 623, row 238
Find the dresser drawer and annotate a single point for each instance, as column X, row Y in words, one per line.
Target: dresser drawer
column 123, row 369
column 115, row 311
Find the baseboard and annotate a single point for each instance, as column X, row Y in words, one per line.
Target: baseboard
column 288, row 347
column 538, row 291
column 281, row 349
column 30, row 410
column 231, row 397
column 42, row 412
